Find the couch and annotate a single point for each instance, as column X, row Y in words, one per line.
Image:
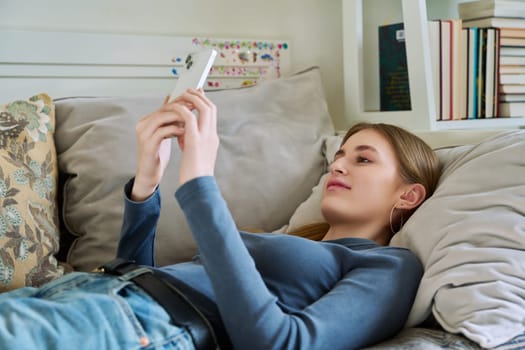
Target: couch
column 64, row 163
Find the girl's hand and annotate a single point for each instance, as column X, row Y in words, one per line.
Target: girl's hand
column 199, row 141
column 154, row 133
column 197, row 138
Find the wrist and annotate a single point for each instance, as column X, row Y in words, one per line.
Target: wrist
column 141, row 191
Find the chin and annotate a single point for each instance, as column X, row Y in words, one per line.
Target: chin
column 330, row 209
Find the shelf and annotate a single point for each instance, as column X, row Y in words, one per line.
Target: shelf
column 490, row 123
column 406, row 120
column 422, row 116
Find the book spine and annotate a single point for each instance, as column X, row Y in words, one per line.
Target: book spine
column 489, row 72
column 481, row 71
column 468, row 58
column 393, row 69
column 512, row 109
column 497, row 76
column 463, row 77
column 475, row 70
column 433, row 32
column 451, row 70
column 441, row 103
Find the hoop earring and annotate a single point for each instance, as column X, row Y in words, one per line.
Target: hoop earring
column 391, row 214
column 391, row 224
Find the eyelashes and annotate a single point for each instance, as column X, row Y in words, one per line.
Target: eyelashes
column 358, row 159
column 361, row 159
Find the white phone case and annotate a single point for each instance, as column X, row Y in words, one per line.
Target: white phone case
column 196, row 69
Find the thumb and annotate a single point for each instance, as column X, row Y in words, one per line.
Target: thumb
column 180, row 141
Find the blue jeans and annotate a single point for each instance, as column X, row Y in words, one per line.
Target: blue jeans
column 87, row 311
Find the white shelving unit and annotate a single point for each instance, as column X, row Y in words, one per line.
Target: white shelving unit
column 422, row 117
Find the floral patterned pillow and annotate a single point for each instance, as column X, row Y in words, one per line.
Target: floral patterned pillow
column 29, row 235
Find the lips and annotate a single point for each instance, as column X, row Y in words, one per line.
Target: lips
column 337, row 183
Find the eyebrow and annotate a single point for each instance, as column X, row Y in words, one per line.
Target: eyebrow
column 359, row 148
column 365, row 148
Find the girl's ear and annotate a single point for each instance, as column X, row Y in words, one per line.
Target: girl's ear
column 412, row 197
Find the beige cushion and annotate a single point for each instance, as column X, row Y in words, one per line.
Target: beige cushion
column 470, row 237
column 269, row 159
column 309, row 211
column 28, row 178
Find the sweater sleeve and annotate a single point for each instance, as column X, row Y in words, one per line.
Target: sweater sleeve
column 137, row 236
column 368, row 304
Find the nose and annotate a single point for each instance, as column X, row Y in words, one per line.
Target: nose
column 338, row 167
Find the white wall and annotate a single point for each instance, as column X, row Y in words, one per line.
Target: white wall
column 443, row 8
column 313, row 27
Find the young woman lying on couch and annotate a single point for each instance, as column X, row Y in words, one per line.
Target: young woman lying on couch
column 243, row 291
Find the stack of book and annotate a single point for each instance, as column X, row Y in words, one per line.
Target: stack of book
column 478, row 62
column 465, row 70
column 464, row 66
column 507, row 19
column 450, row 71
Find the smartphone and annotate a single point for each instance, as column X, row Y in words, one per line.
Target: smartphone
column 196, row 69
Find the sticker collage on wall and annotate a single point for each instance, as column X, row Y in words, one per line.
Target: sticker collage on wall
column 242, row 62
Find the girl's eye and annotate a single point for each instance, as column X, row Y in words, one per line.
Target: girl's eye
column 361, row 159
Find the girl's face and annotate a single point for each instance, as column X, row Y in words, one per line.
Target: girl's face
column 364, row 183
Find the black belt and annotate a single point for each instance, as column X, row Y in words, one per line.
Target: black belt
column 182, row 312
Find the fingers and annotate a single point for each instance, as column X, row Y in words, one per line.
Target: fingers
column 164, row 116
column 200, row 141
column 207, row 111
column 194, row 99
column 175, row 118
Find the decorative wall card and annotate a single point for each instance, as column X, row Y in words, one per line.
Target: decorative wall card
column 241, row 62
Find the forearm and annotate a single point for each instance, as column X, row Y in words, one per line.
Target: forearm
column 137, row 235
column 241, row 295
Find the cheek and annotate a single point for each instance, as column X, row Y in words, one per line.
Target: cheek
column 379, row 185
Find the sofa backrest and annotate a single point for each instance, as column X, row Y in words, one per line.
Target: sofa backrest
column 269, row 159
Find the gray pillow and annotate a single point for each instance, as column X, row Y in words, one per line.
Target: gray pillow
column 269, row 159
column 470, row 237
column 309, row 211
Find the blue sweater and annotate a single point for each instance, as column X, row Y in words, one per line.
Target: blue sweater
column 274, row 291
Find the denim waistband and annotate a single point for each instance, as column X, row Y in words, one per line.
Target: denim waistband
column 180, row 308
column 87, row 311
